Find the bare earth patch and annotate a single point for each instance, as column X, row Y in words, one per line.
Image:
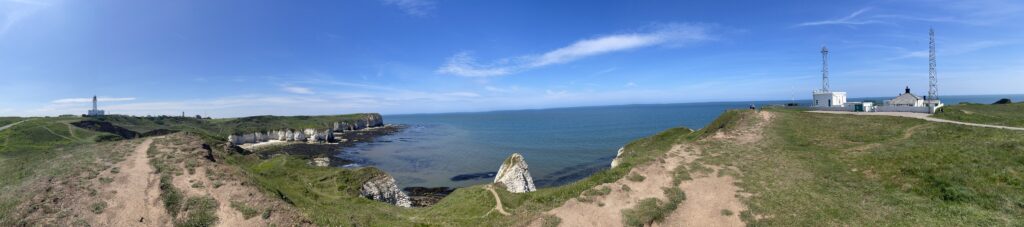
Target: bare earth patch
column 711, row 199
column 134, row 194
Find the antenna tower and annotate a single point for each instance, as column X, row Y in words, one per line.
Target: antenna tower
column 933, row 87
column 824, row 69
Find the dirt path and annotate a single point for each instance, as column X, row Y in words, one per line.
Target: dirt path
column 71, row 131
column 606, row 210
column 922, row 116
column 11, row 125
column 55, row 133
column 497, row 201
column 711, row 200
column 137, row 198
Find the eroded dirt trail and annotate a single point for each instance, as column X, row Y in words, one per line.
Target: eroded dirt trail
column 607, row 210
column 136, row 196
column 712, row 199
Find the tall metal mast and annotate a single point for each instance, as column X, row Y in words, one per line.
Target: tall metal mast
column 824, row 69
column 933, row 87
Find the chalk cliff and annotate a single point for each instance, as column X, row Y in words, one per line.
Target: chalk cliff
column 383, row 188
column 515, row 175
column 618, row 157
column 310, row 135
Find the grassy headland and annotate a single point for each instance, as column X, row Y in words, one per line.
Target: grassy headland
column 1011, row 114
column 823, row 169
column 808, row 169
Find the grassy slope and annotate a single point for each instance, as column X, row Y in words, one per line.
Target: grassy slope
column 1002, row 114
column 38, row 147
column 327, row 194
column 800, row 174
column 821, row 169
column 8, row 120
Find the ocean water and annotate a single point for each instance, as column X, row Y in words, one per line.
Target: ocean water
column 560, row 145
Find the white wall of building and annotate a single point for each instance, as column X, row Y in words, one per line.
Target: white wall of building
column 826, row 99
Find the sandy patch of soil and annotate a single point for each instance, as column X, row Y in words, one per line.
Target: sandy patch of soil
column 135, row 199
column 607, row 210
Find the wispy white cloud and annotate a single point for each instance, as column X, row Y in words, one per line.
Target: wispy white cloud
column 297, row 90
column 463, row 64
column 953, row 49
column 412, row 7
column 852, row 19
column 15, row 11
column 87, row 100
column 979, row 12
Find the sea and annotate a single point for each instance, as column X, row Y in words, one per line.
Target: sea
column 560, row 145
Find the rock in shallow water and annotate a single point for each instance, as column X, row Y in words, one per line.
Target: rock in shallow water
column 514, row 174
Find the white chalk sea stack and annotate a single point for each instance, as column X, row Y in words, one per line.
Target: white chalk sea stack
column 383, row 188
column 515, row 175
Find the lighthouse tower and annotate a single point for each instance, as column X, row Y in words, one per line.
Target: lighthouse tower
column 94, row 112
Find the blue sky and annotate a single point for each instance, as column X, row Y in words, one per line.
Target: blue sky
column 239, row 58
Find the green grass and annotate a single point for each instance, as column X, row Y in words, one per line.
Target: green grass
column 825, row 169
column 171, row 196
column 651, row 210
column 636, row 177
column 1001, row 114
column 40, row 148
column 726, row 212
column 198, row 212
column 246, row 210
column 330, row 195
column 98, row 207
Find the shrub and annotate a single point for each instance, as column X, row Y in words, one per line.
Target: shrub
column 604, row 190
column 636, row 177
column 645, row 212
column 726, row 212
column 652, row 210
column 246, row 210
column 172, row 196
column 98, row 207
column 201, row 211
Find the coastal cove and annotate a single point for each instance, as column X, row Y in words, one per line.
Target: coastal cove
column 562, row 145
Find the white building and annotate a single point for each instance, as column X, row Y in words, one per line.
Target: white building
column 94, row 111
column 829, row 98
column 908, row 102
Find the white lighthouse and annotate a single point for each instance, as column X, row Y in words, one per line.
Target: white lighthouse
column 95, row 111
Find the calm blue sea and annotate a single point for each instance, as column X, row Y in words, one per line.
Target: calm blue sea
column 560, row 145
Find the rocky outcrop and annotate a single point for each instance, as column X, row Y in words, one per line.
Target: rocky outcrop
column 383, row 188
column 618, row 157
column 320, row 162
column 514, row 174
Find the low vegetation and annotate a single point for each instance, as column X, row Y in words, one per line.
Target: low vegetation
column 884, row 171
column 198, row 211
column 1011, row 114
column 651, row 210
column 636, row 177
column 246, row 210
